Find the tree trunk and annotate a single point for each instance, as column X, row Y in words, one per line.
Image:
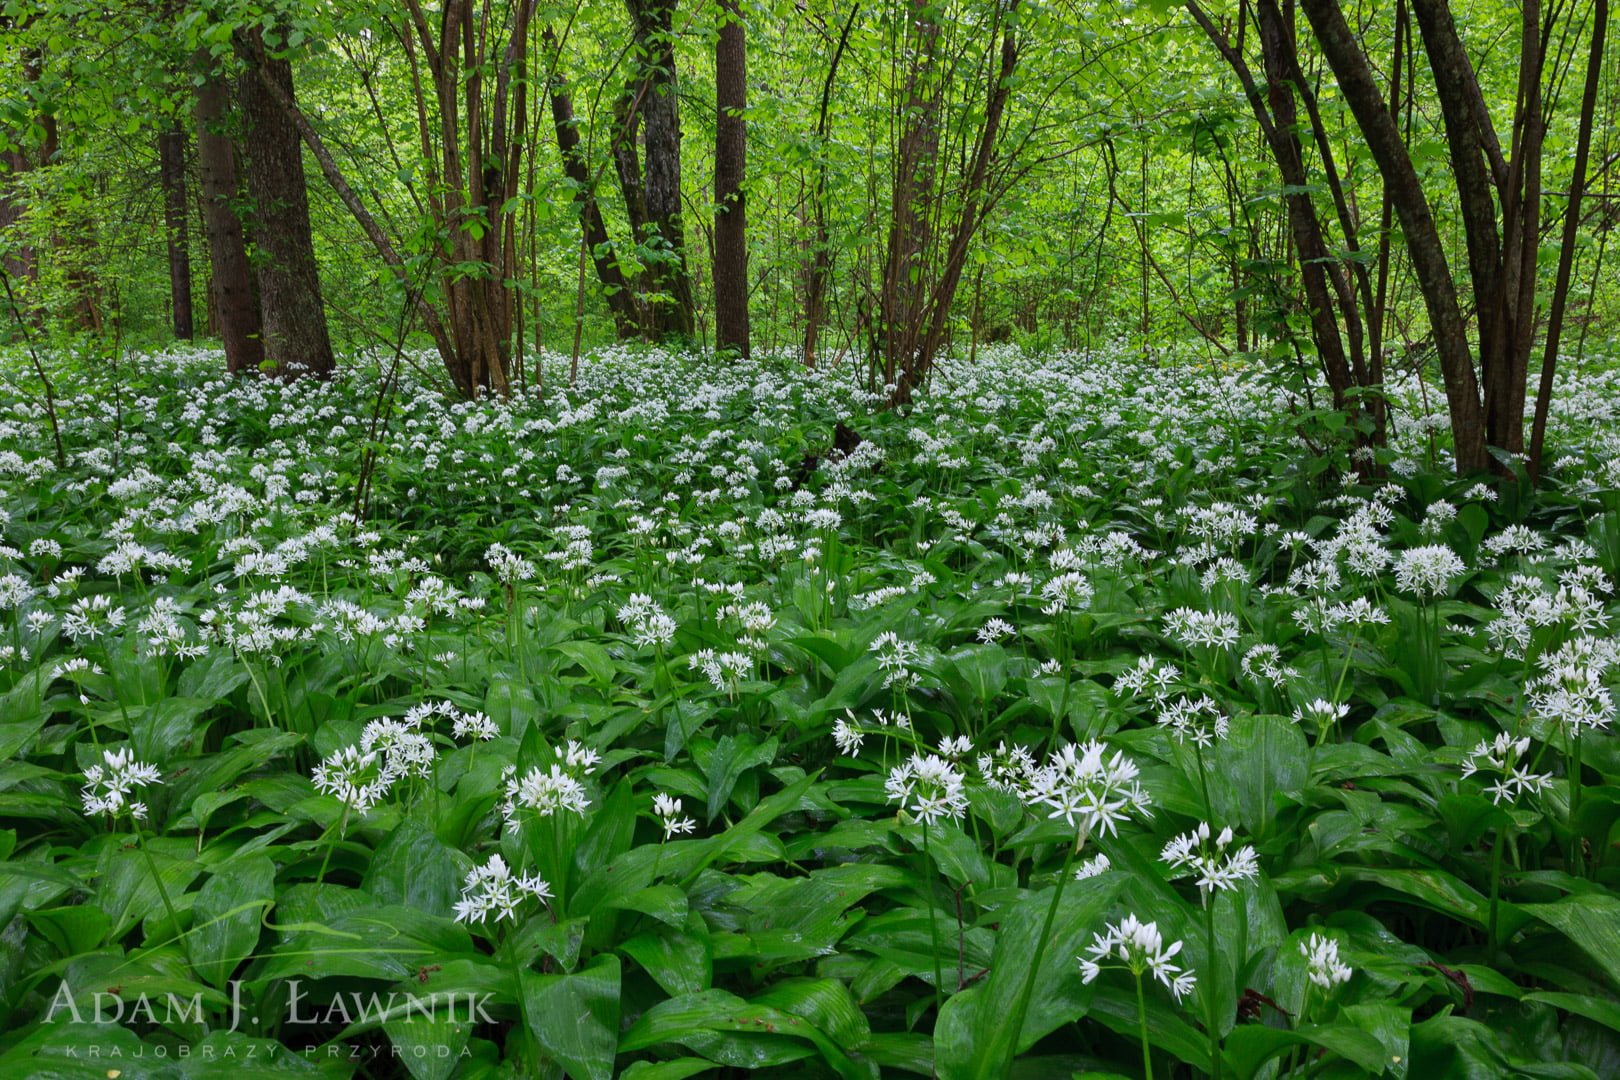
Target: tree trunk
column 293, row 316
column 1572, row 221
column 176, row 228
column 1356, row 81
column 653, row 22
column 21, row 260
column 916, row 164
column 730, row 157
column 236, row 306
column 621, row 297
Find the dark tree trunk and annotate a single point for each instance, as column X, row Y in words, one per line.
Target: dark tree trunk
column 1501, row 260
column 1354, row 75
column 730, row 158
column 621, row 298
column 176, row 227
column 660, row 110
column 294, row 318
column 916, row 164
column 21, row 261
column 235, row 305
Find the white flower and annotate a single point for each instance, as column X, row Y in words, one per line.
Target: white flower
column 928, row 787
column 1080, row 783
column 1571, row 690
column 895, row 656
column 1092, row 867
column 1264, row 664
column 473, row 725
column 1504, row 756
column 1322, row 713
column 847, row 737
column 1139, row 948
column 91, row 617
column 1322, row 964
column 107, row 785
column 1427, row 571
column 1198, row 720
column 1207, row 629
column 1066, row 592
column 995, row 630
column 354, row 777
column 493, row 889
column 668, row 810
column 1007, row 768
column 545, row 792
column 1215, row 868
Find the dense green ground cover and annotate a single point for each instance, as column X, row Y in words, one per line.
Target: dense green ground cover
column 631, row 731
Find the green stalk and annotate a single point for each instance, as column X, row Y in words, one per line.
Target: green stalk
column 1574, row 770
column 1141, row 1024
column 933, row 925
column 1024, row 992
column 343, row 825
column 1209, row 996
column 163, row 890
column 1496, row 880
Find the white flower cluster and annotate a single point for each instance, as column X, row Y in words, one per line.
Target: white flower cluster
column 492, row 889
column 927, row 787
column 1139, row 948
column 1322, row 964
column 549, row 791
column 1427, row 571
column 1191, row 628
column 1195, row 854
column 1197, row 720
column 1504, row 756
column 107, row 786
column 1088, row 789
column 668, row 810
column 1572, row 689
column 896, row 657
column 647, row 623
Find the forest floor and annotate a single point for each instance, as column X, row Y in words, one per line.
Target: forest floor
column 701, row 716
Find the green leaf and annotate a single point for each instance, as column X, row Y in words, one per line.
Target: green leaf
column 415, row 869
column 430, row 1045
column 976, row 1028
column 575, row 1018
column 1592, row 922
column 227, row 915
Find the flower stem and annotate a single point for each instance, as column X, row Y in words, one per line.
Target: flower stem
column 343, row 825
column 1496, row 880
column 1209, row 988
column 163, row 891
column 1022, row 1005
column 1141, row 1024
column 933, row 924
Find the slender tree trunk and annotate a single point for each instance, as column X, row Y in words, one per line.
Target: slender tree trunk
column 21, row 260
column 730, row 165
column 235, row 305
column 176, row 227
column 1572, row 221
column 621, row 298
